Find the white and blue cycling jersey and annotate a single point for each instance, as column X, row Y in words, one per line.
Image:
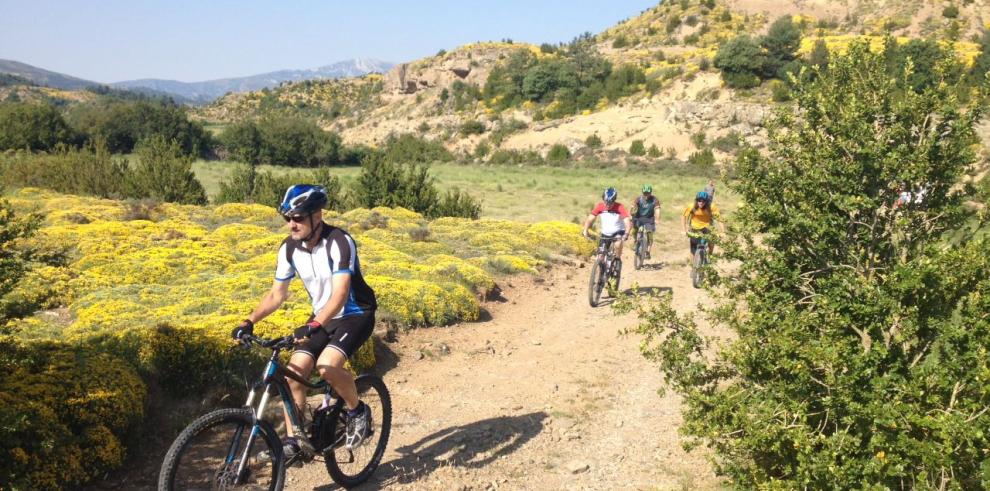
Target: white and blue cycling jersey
column 334, row 253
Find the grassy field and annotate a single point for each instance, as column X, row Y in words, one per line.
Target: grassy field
column 531, row 194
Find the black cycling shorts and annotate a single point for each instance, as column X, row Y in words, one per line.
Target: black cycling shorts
column 646, row 222
column 695, row 241
column 345, row 335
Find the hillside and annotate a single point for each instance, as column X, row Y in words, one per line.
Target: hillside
column 40, row 76
column 672, row 44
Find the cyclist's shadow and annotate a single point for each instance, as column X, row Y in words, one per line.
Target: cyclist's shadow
column 471, row 446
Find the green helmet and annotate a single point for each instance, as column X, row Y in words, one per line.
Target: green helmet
column 647, row 188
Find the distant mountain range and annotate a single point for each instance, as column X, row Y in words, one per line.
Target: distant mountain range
column 200, row 92
column 40, row 76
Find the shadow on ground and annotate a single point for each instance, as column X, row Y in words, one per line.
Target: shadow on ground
column 647, row 290
column 471, row 446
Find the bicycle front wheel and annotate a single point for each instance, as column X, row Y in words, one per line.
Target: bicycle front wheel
column 697, row 268
column 596, row 283
column 350, row 467
column 220, row 450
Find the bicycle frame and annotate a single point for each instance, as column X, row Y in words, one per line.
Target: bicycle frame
column 275, row 374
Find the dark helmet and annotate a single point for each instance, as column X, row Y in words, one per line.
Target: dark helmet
column 609, row 196
column 303, row 199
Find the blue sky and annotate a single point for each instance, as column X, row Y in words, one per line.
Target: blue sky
column 114, row 40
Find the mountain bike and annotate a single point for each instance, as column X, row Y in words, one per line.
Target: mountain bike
column 642, row 247
column 237, row 449
column 606, row 269
column 700, row 259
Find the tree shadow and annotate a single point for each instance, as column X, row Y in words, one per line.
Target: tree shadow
column 471, row 446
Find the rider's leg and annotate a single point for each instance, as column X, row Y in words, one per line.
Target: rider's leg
column 302, row 364
column 349, row 334
column 331, row 367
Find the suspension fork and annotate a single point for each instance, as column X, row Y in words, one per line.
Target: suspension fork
column 256, row 428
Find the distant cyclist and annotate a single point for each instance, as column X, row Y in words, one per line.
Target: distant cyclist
column 710, row 189
column 615, row 220
column 700, row 216
column 325, row 259
column 646, row 214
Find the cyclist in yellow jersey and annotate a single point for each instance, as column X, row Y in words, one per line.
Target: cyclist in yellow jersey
column 700, row 216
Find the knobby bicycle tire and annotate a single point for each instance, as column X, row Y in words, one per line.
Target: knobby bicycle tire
column 697, row 268
column 204, row 467
column 640, row 252
column 596, row 283
column 383, row 429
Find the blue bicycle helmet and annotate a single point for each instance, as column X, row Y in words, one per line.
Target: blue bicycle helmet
column 703, row 195
column 609, row 196
column 302, row 200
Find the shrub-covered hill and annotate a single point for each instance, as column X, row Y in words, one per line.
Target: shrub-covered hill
column 139, row 295
column 664, row 87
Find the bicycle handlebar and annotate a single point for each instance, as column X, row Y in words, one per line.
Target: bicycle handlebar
column 276, row 343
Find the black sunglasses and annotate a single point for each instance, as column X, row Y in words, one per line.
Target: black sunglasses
column 295, row 218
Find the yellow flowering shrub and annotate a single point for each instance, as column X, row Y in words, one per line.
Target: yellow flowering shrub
column 64, row 411
column 155, row 298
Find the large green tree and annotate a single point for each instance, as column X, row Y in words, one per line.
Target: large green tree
column 25, row 126
column 858, row 356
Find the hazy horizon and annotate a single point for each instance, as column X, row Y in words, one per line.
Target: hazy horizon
column 187, row 41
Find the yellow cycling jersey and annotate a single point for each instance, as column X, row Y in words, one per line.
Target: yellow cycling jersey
column 701, row 217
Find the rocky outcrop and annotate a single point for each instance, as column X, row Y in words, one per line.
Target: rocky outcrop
column 469, row 64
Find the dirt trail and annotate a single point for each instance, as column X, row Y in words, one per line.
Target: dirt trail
column 541, row 394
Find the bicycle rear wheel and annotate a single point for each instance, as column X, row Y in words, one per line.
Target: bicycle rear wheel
column 613, row 282
column 351, row 467
column 208, row 454
column 596, row 283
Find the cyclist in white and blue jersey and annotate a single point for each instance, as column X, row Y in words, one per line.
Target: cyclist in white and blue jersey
column 325, row 258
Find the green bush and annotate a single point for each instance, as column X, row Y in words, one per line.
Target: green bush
column 163, row 173
column 247, row 185
column 472, row 127
column 653, row 152
column 637, row 148
column 457, row 203
column 818, row 57
column 702, row 158
column 781, row 43
column 123, row 124
column 558, row 153
column 25, row 126
column 91, row 170
column 728, row 143
column 482, row 149
column 950, row 12
column 856, row 353
column 593, row 141
column 698, row 139
column 741, row 61
column 779, row 91
column 282, row 141
column 410, row 148
column 620, row 41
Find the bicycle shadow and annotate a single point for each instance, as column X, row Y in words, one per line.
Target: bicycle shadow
column 647, row 290
column 653, row 266
column 471, row 446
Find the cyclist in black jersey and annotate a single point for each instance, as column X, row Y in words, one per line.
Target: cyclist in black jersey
column 646, row 214
column 325, row 259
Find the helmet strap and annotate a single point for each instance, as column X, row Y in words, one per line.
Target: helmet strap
column 313, row 228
